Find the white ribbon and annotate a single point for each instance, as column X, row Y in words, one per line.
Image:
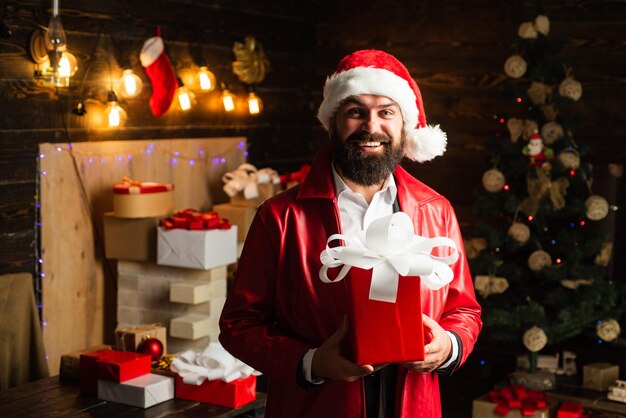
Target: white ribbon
column 212, row 364
column 246, row 178
column 390, row 249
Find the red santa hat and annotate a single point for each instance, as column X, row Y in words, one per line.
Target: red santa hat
column 379, row 73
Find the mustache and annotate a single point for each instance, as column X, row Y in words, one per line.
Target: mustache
column 367, row 137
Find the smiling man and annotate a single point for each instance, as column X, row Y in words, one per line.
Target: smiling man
column 282, row 320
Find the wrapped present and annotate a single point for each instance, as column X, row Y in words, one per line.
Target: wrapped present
column 130, row 238
column 599, row 376
column 121, row 366
column 137, row 199
column 199, row 249
column 193, row 220
column 88, row 369
column 569, row 409
column 247, row 186
column 214, row 376
column 143, row 391
column 383, row 264
column 70, row 362
column 292, row 179
column 192, row 326
column 241, row 216
column 513, row 402
column 129, row 338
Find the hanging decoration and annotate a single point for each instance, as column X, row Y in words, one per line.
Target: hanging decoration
column 535, row 339
column 539, row 260
column 604, row 256
column 474, row 246
column 539, row 92
column 490, row 285
column 536, row 151
column 551, row 132
column 519, row 232
column 493, row 180
column 576, row 283
column 608, row 330
column 161, row 74
column 571, row 88
column 542, row 186
column 569, row 158
column 251, row 66
column 597, row 207
column 515, row 66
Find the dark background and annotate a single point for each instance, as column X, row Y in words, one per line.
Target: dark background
column 455, row 49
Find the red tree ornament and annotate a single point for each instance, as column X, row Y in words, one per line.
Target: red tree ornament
column 151, row 346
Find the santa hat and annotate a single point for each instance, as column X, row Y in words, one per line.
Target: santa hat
column 379, row 73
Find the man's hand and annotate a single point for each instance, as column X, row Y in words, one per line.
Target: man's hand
column 436, row 352
column 330, row 364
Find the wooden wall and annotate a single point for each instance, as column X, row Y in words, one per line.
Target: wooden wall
column 455, row 49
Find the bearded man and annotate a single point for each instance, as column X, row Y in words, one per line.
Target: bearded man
column 282, row 320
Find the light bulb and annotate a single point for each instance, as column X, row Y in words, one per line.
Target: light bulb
column 254, row 104
column 206, row 79
column 59, row 74
column 115, row 114
column 229, row 100
column 130, row 84
column 186, row 99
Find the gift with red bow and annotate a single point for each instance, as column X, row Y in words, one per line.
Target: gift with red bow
column 194, row 220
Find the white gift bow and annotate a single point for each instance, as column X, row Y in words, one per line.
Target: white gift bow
column 246, row 177
column 213, row 363
column 390, row 249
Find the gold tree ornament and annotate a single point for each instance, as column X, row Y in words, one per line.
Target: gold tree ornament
column 535, row 339
column 519, row 232
column 597, row 207
column 604, row 256
column 608, row 330
column 539, row 260
column 251, row 64
column 493, row 180
column 490, row 285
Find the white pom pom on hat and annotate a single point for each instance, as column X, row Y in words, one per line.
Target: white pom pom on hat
column 379, row 73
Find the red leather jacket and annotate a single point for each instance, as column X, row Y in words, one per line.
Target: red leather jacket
column 278, row 308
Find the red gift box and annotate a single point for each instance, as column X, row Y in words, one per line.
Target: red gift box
column 123, row 365
column 88, row 370
column 384, row 332
column 217, row 392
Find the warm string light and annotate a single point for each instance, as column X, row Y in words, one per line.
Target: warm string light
column 228, row 99
column 115, row 114
column 206, row 79
column 130, row 84
column 185, row 98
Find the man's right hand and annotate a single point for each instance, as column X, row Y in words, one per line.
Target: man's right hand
column 328, row 363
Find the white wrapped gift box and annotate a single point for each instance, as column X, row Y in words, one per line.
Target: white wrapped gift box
column 200, row 249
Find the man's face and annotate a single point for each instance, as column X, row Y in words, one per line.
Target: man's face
column 367, row 138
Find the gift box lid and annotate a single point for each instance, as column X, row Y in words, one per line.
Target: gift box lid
column 141, row 187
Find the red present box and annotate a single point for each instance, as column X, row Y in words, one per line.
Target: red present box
column 217, row 392
column 88, row 370
column 123, row 365
column 384, row 332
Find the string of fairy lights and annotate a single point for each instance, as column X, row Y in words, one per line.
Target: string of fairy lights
column 203, row 156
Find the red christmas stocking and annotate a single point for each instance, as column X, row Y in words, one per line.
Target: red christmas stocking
column 161, row 74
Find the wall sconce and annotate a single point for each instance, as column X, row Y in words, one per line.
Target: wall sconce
column 115, row 114
column 228, row 99
column 255, row 104
column 50, row 51
column 206, row 79
column 130, row 84
column 185, row 98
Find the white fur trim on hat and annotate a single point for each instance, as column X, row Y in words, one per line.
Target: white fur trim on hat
column 426, row 143
column 151, row 50
column 367, row 80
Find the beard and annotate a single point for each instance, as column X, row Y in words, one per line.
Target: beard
column 361, row 167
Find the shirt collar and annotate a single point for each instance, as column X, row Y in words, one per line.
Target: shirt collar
column 389, row 186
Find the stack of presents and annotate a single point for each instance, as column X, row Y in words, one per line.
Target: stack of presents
column 181, row 257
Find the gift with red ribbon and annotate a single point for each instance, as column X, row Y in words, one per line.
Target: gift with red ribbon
column 386, row 266
column 291, row 179
column 138, row 199
column 195, row 221
column 517, row 397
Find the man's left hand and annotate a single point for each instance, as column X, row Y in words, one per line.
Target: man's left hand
column 436, row 352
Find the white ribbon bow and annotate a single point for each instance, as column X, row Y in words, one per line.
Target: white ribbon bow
column 246, row 178
column 390, row 249
column 213, row 363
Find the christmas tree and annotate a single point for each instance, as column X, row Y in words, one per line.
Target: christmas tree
column 539, row 268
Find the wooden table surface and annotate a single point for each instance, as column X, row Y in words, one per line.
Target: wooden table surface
column 52, row 397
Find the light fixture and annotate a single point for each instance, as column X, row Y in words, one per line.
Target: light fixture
column 130, row 84
column 49, row 50
column 115, row 114
column 255, row 104
column 185, row 98
column 228, row 99
column 206, row 79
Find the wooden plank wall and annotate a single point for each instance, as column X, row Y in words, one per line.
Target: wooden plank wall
column 76, row 192
column 104, row 35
